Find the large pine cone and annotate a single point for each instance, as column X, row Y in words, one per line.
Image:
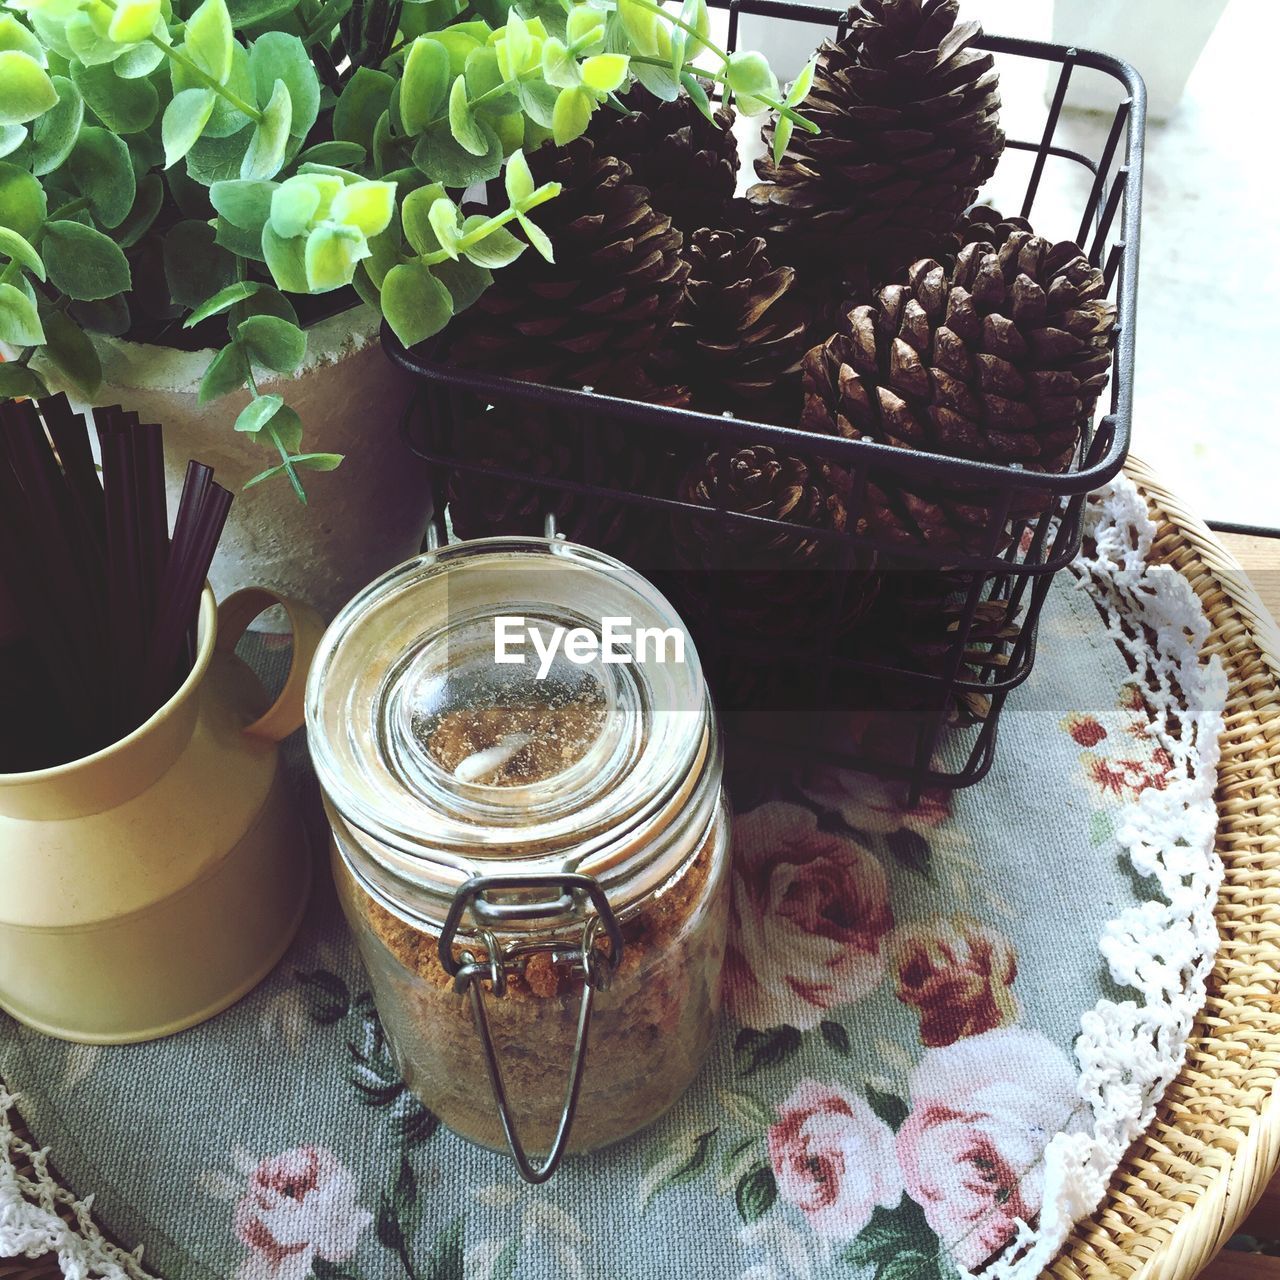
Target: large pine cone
column 742, row 332
column 592, row 317
column 1002, row 361
column 908, row 112
column 688, row 163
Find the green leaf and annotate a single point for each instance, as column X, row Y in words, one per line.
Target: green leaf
column 748, row 71
column 293, row 207
column 641, row 25
column 227, row 372
column 18, row 380
column 82, row 262
column 348, row 154
column 415, row 217
column 911, row 849
column 69, row 347
column 519, row 179
column 133, row 20
column 12, row 136
column 497, row 249
column 124, row 106
column 755, row 1193
column 286, row 260
column 246, row 205
column 571, row 116
column 138, row 62
column 218, row 159
column 276, row 55
column 222, row 301
column 444, row 219
column 23, row 205
column 257, row 413
column 438, row 156
column 270, row 138
column 425, row 84
column 783, row 128
column 658, row 80
column 13, row 35
column 19, row 322
column 267, row 301
column 799, row 90
column 146, row 207
column 317, row 461
column 366, row 96
column 103, row 171
column 910, row 1264
column 254, row 13
column 464, row 280
column 285, row 428
column 19, row 249
column 25, row 88
column 416, row 305
column 273, row 343
column 538, row 101
column 462, row 121
column 693, row 87
column 226, row 119
column 835, row 1035
column 330, row 257
column 460, row 42
column 194, row 267
column 54, row 134
column 105, row 315
column 537, row 237
column 891, row 1109
column 585, row 28
column 184, row 119
column 367, row 206
column 559, row 67
column 209, row 39
column 757, row 1049
column 605, row 72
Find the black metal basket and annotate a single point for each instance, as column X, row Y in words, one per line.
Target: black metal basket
column 1032, row 530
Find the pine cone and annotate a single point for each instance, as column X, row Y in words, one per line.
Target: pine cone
column 768, row 582
column 742, row 331
column 592, row 317
column 908, row 112
column 915, row 626
column 688, row 163
column 539, row 444
column 1003, row 361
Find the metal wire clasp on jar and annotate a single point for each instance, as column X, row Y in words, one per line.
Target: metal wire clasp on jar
column 553, row 830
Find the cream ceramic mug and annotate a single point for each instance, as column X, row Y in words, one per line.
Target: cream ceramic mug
column 146, row 887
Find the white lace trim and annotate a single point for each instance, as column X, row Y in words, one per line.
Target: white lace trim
column 1128, row 1052
column 38, row 1216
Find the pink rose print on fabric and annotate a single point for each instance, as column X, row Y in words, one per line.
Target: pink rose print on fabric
column 299, row 1205
column 875, row 804
column 972, row 1147
column 810, row 914
column 833, row 1158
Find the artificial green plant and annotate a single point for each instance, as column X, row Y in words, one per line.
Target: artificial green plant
column 210, row 160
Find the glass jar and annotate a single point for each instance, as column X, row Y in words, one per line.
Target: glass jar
column 531, row 854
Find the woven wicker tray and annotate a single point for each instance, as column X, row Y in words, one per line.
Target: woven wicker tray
column 1187, row 1184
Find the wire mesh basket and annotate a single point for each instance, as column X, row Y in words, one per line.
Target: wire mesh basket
column 814, row 680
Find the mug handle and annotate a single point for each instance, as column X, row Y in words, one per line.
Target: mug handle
column 235, row 613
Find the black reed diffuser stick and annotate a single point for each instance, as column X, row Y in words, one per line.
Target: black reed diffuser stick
column 107, row 601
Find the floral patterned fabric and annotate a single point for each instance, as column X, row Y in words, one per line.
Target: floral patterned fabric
column 903, row 989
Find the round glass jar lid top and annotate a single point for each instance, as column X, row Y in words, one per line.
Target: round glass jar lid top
column 509, row 698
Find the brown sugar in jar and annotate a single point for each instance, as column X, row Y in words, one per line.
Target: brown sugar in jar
column 543, row 816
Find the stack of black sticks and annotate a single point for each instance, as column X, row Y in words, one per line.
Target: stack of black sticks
column 105, row 601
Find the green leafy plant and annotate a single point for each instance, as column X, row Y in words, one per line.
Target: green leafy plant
column 167, row 165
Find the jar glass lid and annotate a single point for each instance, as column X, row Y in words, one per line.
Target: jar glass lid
column 506, row 699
